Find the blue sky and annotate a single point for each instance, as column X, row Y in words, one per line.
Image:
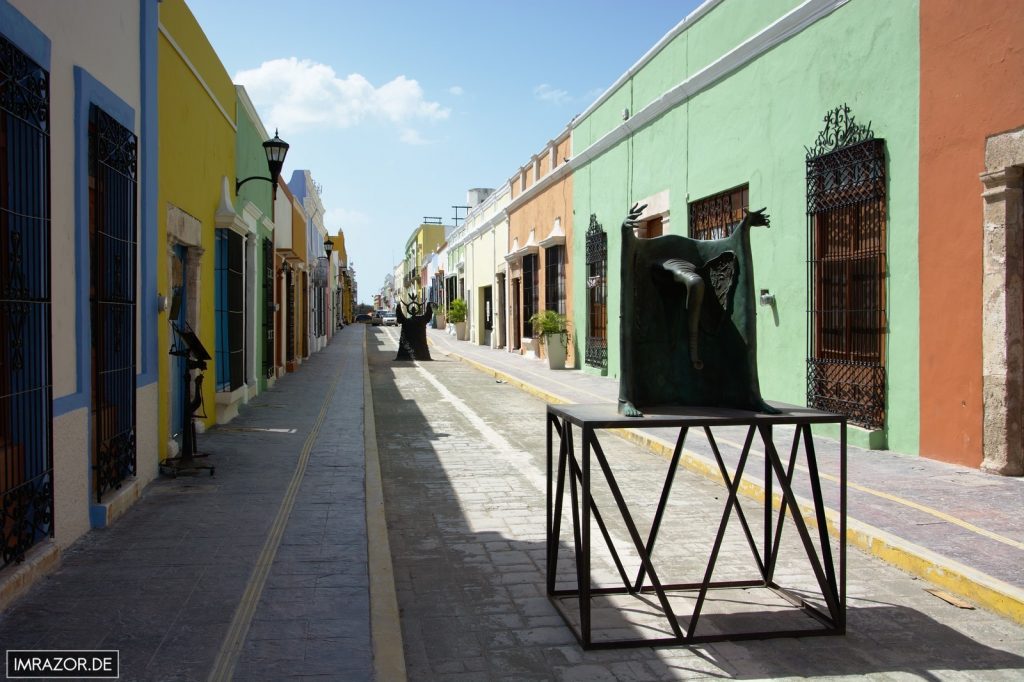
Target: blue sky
column 397, row 107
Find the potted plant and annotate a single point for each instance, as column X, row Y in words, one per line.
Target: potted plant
column 553, row 328
column 457, row 311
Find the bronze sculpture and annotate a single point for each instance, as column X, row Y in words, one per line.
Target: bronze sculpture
column 700, row 353
column 412, row 343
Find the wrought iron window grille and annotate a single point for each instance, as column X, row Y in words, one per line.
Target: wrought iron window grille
column 530, row 289
column 230, row 309
column 268, row 308
column 26, row 385
column 847, row 270
column 596, row 354
column 114, row 239
column 715, row 217
column 554, row 279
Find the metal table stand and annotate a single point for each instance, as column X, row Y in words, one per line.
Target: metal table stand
column 830, row 578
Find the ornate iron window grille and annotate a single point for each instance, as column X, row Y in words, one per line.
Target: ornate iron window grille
column 846, row 271
column 26, row 385
column 597, row 295
column 554, row 279
column 114, row 237
column 715, row 217
column 268, row 308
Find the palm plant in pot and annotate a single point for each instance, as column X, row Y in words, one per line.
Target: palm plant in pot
column 553, row 328
column 457, row 311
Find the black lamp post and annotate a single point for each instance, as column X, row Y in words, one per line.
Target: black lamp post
column 328, row 246
column 276, row 149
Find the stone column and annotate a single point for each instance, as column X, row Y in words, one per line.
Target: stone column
column 1003, row 322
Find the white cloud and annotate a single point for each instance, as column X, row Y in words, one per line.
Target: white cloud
column 546, row 93
column 456, row 90
column 298, row 93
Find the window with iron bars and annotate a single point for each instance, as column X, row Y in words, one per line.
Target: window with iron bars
column 847, row 269
column 230, row 310
column 268, row 308
column 530, row 289
column 554, row 279
column 26, row 385
column 715, row 217
column 597, row 295
column 113, row 238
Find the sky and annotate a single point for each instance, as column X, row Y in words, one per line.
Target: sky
column 398, row 107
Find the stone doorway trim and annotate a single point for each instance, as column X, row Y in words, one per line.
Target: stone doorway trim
column 1003, row 304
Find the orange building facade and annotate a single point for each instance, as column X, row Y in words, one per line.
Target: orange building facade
column 971, row 248
column 539, row 237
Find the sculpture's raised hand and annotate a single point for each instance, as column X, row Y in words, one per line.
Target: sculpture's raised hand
column 634, row 213
column 757, row 218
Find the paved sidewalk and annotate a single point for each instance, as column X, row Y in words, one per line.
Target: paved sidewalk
column 258, row 573
column 957, row 527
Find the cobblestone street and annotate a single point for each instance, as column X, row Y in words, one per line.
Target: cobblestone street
column 462, row 459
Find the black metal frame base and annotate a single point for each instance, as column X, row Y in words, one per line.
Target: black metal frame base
column 829, row 574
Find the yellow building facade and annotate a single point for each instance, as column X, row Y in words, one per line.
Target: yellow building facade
column 196, row 101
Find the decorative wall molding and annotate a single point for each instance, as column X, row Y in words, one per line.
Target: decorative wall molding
column 789, row 25
column 199, row 78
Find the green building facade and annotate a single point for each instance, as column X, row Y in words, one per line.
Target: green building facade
column 254, row 202
column 729, row 105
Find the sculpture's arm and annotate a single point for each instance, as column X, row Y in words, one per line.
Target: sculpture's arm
column 630, row 221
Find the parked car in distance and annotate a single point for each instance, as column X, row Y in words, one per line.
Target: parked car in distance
column 362, row 318
column 390, row 319
column 378, row 317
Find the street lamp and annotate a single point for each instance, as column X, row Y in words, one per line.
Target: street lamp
column 328, row 246
column 275, row 149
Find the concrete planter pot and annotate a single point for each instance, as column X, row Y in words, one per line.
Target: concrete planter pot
column 555, row 347
column 461, row 331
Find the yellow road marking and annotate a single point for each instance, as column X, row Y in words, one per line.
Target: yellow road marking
column 227, row 657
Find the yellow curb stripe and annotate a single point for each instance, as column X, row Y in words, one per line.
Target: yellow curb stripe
column 986, row 591
column 934, row 512
column 385, row 621
column 231, row 648
column 553, row 398
column 923, row 508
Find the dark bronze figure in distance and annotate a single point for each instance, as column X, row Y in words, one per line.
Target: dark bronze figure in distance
column 412, row 344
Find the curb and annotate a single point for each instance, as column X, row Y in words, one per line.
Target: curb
column 987, row 592
column 40, row 561
column 385, row 622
